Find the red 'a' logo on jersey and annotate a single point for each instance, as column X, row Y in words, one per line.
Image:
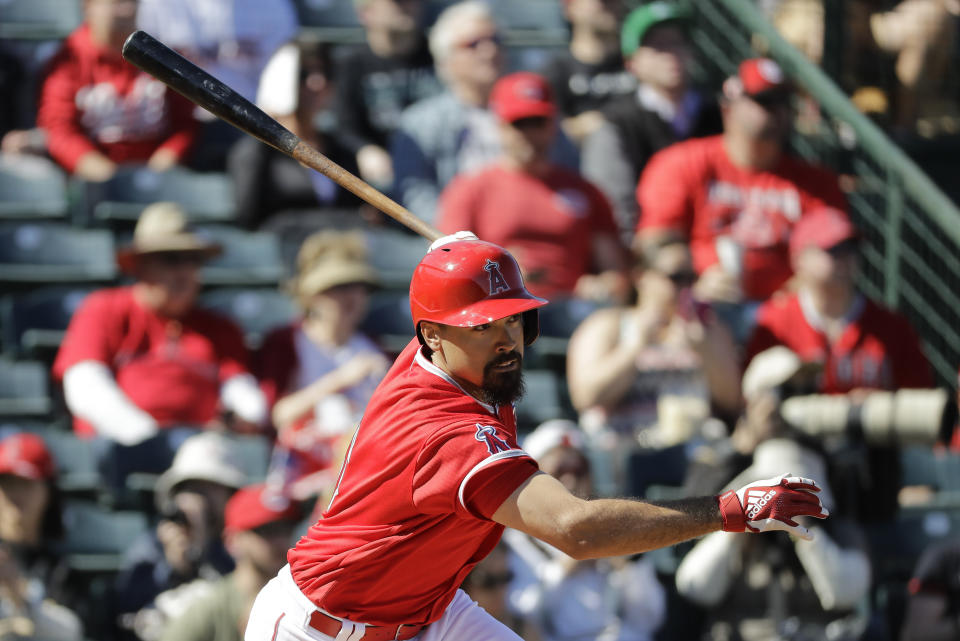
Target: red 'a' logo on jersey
column 488, row 434
column 497, row 282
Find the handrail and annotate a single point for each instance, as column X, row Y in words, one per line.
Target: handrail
column 871, row 138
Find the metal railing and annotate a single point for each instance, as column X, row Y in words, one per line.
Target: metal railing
column 911, row 229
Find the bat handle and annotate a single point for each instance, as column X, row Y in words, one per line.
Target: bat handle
column 314, row 159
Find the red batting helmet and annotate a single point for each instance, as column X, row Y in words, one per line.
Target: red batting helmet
column 471, row 282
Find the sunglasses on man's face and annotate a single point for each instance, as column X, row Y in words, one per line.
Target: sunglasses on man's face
column 534, row 122
column 682, row 278
column 475, row 43
column 177, row 259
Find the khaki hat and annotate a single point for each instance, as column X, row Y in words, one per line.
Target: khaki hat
column 328, row 259
column 163, row 227
column 208, row 456
column 774, row 367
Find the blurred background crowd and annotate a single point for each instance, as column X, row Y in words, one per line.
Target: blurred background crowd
column 744, row 215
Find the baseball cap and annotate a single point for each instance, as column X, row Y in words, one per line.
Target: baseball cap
column 551, row 434
column 772, row 368
column 26, row 456
column 639, row 21
column 522, row 95
column 208, row 456
column 254, row 506
column 823, row 227
column 760, row 79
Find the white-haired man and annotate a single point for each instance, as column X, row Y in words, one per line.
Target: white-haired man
column 454, row 131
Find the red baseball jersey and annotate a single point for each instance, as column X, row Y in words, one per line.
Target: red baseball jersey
column 693, row 187
column 548, row 224
column 878, row 349
column 410, row 517
column 172, row 369
column 93, row 99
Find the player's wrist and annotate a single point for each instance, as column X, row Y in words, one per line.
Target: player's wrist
column 731, row 512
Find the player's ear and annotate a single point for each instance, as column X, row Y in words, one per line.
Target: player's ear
column 430, row 332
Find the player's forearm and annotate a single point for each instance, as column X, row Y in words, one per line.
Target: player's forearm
column 614, row 527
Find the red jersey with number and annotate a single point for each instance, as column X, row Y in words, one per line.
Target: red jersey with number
column 548, row 224
column 171, row 369
column 427, row 468
column 692, row 187
column 877, row 350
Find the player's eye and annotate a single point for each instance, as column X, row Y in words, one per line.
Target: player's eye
column 514, row 319
column 481, row 328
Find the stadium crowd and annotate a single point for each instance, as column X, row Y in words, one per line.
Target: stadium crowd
column 203, row 363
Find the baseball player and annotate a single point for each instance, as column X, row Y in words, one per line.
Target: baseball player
column 434, row 474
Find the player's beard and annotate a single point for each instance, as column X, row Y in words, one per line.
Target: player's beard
column 503, row 388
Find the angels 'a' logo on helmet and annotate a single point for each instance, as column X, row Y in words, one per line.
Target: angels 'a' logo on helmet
column 497, row 282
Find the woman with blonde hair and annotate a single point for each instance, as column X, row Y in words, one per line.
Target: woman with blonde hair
column 319, row 371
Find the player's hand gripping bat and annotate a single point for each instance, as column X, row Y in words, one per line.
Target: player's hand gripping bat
column 198, row 86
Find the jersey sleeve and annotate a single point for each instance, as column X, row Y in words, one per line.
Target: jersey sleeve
column 469, row 470
column 57, row 113
column 88, row 336
column 231, row 349
column 663, row 196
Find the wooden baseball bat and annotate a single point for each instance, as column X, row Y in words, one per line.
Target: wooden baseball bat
column 198, row 86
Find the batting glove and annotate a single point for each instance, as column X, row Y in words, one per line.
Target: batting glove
column 772, row 504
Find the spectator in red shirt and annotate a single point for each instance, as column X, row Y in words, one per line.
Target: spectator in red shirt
column 141, row 358
column 736, row 196
column 860, row 345
column 99, row 111
column 558, row 225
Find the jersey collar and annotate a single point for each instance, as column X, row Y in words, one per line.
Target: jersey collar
column 425, row 363
column 816, row 320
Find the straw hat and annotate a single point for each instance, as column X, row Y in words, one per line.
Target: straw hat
column 163, row 227
column 328, row 259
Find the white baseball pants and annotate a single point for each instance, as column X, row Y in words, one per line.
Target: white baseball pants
column 282, row 612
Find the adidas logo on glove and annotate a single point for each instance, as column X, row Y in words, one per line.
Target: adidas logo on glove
column 756, row 499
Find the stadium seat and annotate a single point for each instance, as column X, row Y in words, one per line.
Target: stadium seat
column 97, row 537
column 256, row 311
column 76, row 460
column 389, row 321
column 33, row 253
column 395, row 254
column 31, row 187
column 38, row 19
column 33, row 323
column 253, row 455
column 896, row 546
column 205, row 196
column 24, row 389
column 248, row 259
column 327, row 13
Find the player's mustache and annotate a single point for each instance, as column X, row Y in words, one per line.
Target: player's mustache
column 506, row 358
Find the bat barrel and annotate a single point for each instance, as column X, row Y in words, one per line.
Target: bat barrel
column 198, row 86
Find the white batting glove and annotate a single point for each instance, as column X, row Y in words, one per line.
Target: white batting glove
column 772, row 504
column 460, row 235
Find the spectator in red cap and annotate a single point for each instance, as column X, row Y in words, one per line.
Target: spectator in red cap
column 30, row 523
column 258, row 531
column 736, row 196
column 558, row 225
column 860, row 344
